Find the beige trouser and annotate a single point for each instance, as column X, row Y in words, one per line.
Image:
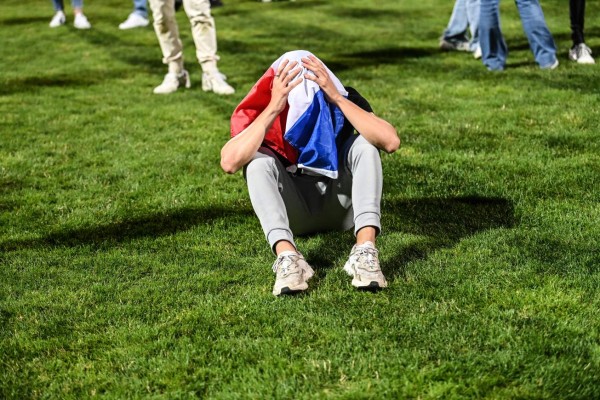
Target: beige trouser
column 203, row 32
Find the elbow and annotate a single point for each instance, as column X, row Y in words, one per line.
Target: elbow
column 393, row 143
column 228, row 165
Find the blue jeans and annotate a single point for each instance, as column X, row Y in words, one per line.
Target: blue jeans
column 493, row 47
column 465, row 15
column 140, row 7
column 59, row 5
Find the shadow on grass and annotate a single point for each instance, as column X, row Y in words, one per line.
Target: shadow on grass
column 145, row 58
column 142, row 58
column 154, row 225
column 441, row 222
column 369, row 12
column 30, row 84
column 389, row 55
column 26, row 20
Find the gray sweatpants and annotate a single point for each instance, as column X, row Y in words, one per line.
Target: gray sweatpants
column 295, row 204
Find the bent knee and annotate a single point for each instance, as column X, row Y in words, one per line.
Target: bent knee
column 261, row 164
column 364, row 149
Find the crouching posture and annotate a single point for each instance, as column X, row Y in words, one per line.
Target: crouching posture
column 310, row 152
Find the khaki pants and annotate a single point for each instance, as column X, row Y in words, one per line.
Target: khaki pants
column 203, row 32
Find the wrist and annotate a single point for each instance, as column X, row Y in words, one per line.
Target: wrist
column 337, row 99
column 275, row 108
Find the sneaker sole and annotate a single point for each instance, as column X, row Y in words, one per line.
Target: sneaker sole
column 586, row 62
column 219, row 92
column 287, row 291
column 451, row 47
column 372, row 286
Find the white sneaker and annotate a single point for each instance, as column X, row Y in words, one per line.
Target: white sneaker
column 81, row 22
column 477, row 53
column 215, row 82
column 363, row 266
column 172, row 82
column 459, row 45
column 58, row 19
column 134, row 21
column 582, row 54
column 554, row 65
column 292, row 273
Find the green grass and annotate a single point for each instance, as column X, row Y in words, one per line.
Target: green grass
column 131, row 266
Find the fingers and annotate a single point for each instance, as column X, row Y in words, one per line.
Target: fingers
column 287, row 77
column 310, row 59
column 312, row 77
column 319, row 71
column 295, row 82
column 284, row 69
column 281, row 67
column 313, row 63
column 288, row 67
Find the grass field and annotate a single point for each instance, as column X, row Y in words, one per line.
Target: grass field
column 132, row 267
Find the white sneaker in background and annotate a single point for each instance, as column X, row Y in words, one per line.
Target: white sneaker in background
column 454, row 45
column 363, row 266
column 477, row 53
column 554, row 65
column 292, row 272
column 172, row 82
column 215, row 82
column 58, row 19
column 582, row 54
column 134, row 21
column 81, row 22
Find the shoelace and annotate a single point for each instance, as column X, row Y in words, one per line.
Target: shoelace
column 370, row 255
column 582, row 49
column 283, row 263
column 218, row 76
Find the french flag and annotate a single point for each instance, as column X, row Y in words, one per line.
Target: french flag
column 305, row 132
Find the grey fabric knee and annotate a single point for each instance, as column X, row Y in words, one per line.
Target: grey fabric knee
column 288, row 204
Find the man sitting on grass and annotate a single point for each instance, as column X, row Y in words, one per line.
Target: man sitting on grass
column 288, row 134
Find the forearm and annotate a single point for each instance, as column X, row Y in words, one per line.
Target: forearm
column 377, row 131
column 239, row 150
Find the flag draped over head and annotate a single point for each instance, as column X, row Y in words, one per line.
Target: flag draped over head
column 304, row 133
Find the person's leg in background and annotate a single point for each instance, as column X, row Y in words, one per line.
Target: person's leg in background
column 205, row 38
column 579, row 52
column 493, row 47
column 80, row 21
column 539, row 36
column 455, row 34
column 59, row 17
column 167, row 32
column 138, row 18
column 473, row 11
